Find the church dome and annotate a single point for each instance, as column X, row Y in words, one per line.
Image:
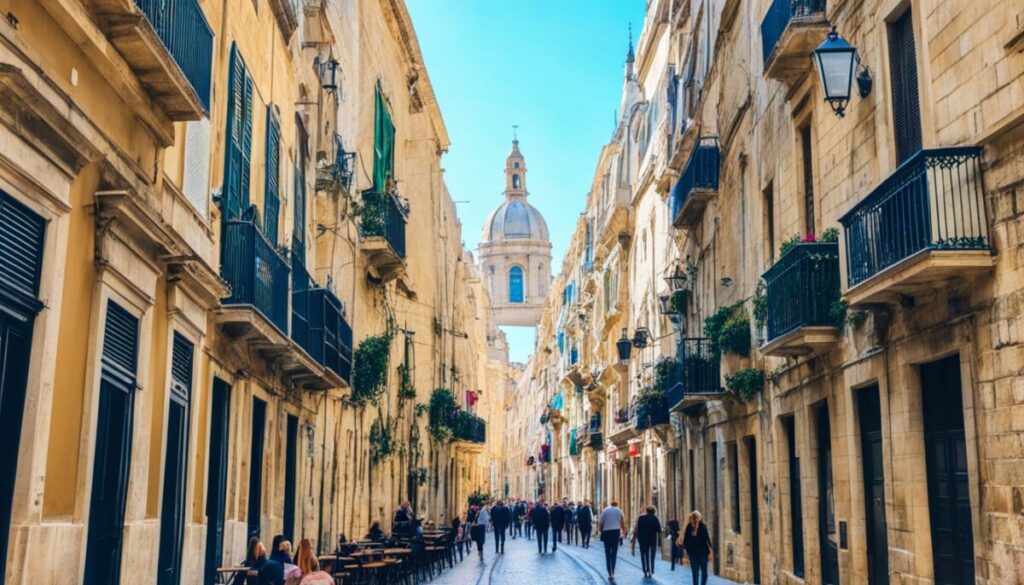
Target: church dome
column 515, row 219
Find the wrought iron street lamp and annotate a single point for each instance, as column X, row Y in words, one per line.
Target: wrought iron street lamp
column 836, row 61
column 328, row 74
column 625, row 346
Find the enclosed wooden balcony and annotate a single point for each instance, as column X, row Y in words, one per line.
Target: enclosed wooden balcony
column 169, row 46
column 790, row 31
column 802, row 289
column 697, row 184
column 921, row 228
column 382, row 231
column 696, row 377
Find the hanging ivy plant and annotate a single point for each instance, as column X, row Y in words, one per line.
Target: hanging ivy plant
column 421, row 409
column 406, row 390
column 478, row 497
column 760, row 305
column 728, row 330
column 369, row 373
column 746, row 383
column 442, row 414
column 382, row 443
column 650, row 397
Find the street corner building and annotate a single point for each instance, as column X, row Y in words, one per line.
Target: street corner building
column 793, row 299
column 233, row 297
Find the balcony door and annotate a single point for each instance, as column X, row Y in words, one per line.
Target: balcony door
column 906, row 103
column 755, row 520
column 290, row 468
column 259, row 430
column 949, row 502
column 828, row 547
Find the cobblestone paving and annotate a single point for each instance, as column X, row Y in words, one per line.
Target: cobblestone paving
column 521, row 565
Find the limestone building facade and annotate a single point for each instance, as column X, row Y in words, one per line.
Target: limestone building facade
column 817, row 348
column 515, row 250
column 231, row 285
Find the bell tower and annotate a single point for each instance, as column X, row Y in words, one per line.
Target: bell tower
column 515, row 172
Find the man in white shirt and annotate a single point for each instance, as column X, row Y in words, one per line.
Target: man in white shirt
column 610, row 525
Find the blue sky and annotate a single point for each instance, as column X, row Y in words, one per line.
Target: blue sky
column 555, row 69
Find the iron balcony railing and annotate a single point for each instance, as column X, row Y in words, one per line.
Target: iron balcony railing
column 337, row 174
column 625, row 414
column 778, row 17
column 182, row 28
column 256, row 272
column 801, row 288
column 933, row 201
column 319, row 325
column 383, row 216
column 697, row 371
column 651, row 414
column 701, row 172
column 468, row 427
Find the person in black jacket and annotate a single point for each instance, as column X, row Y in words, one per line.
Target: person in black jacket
column 501, row 517
column 541, row 520
column 557, row 524
column 674, row 532
column 647, row 531
column 585, row 522
column 518, row 515
column 697, row 544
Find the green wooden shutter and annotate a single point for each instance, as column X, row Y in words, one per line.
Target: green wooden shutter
column 246, row 144
column 272, row 197
column 383, row 145
column 239, row 139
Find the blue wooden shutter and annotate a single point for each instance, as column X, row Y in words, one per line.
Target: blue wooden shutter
column 272, row 196
column 299, row 226
column 21, row 252
column 120, row 347
column 246, row 144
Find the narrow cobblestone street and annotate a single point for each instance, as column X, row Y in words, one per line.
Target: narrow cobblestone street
column 571, row 564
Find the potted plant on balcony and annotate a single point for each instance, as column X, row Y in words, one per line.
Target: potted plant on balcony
column 442, row 409
column 728, row 331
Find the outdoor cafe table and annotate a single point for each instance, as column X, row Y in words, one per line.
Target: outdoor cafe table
column 247, row 571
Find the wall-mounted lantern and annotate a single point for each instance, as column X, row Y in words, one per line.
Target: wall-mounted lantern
column 836, row 61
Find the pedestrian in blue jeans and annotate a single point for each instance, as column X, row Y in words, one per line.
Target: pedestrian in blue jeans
column 697, row 544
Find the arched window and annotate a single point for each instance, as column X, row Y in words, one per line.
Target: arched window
column 515, row 181
column 515, row 165
column 515, row 285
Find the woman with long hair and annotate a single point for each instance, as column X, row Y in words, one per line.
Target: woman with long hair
column 697, row 543
column 309, row 566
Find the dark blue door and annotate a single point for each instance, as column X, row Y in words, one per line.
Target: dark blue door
column 290, row 455
column 111, row 465
column 259, row 429
column 21, row 256
column 172, row 509
column 216, row 482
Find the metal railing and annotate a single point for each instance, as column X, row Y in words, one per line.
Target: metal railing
column 182, row 28
column 701, row 172
column 319, row 325
column 468, row 427
column 801, row 288
column 779, row 14
column 383, row 216
column 337, row 174
column 255, row 271
column 651, row 414
column 697, row 371
column 934, row 200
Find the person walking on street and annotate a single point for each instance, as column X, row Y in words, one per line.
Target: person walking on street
column 673, row 536
column 570, row 522
column 585, row 523
column 501, row 517
column 648, row 532
column 518, row 515
column 479, row 529
column 610, row 525
column 541, row 521
column 528, row 520
column 557, row 525
column 697, row 544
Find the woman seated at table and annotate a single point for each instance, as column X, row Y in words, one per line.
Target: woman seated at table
column 281, row 550
column 255, row 556
column 376, row 533
column 309, row 566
